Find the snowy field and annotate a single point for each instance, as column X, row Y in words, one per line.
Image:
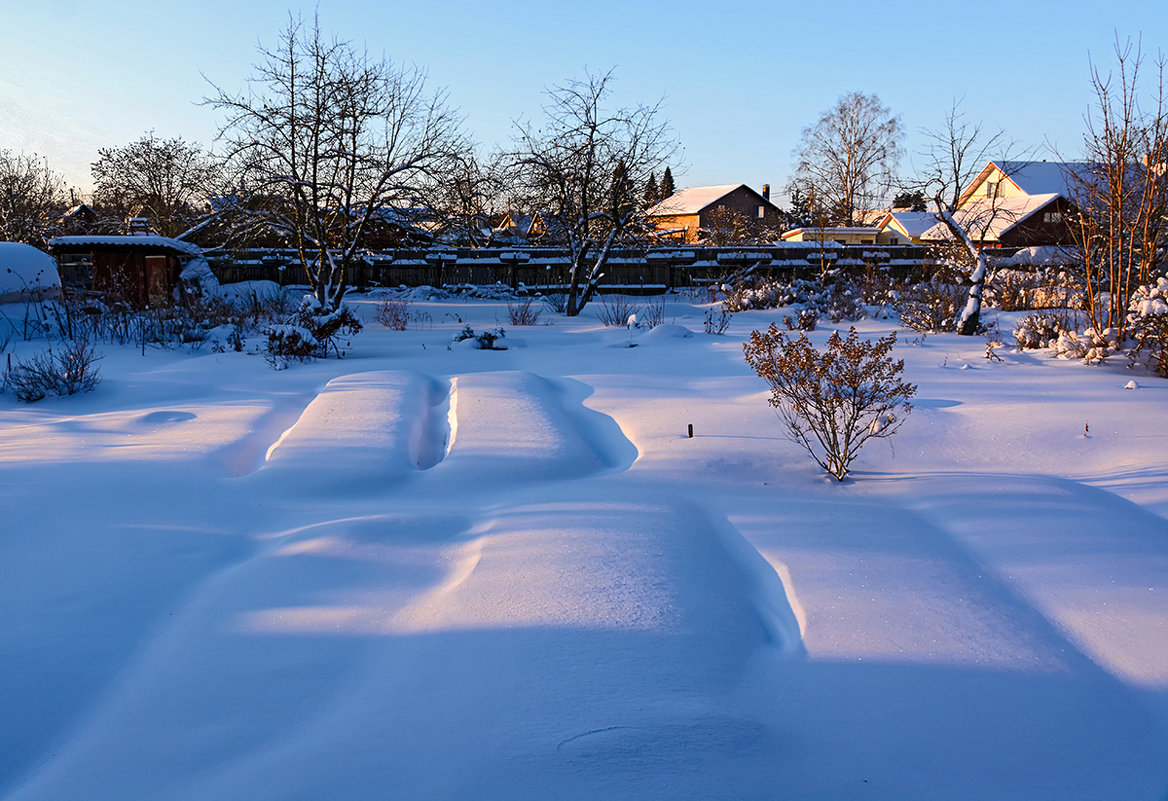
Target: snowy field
column 422, row 573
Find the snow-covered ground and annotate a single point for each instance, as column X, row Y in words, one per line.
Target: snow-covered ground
column 423, row 573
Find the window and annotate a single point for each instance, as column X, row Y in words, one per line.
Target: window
column 993, row 189
column 1054, row 217
column 761, row 212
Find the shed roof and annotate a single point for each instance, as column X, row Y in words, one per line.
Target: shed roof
column 151, row 242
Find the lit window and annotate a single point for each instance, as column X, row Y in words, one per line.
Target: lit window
column 761, row 212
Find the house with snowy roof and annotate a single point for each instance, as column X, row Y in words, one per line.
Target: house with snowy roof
column 683, row 215
column 1009, row 204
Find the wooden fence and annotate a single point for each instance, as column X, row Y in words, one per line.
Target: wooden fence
column 640, row 270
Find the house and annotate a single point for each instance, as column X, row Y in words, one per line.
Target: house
column 529, row 229
column 854, row 235
column 1009, row 204
column 143, row 269
column 904, row 227
column 684, row 215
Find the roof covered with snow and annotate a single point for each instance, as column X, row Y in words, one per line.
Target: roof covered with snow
column 988, row 220
column 143, row 241
column 694, row 199
column 23, row 268
column 912, row 224
column 1033, row 177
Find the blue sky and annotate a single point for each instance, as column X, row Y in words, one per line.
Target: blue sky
column 739, row 79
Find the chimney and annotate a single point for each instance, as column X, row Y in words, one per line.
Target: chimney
column 766, row 191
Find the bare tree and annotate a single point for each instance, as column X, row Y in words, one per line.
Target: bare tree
column 31, row 198
column 849, row 156
column 586, row 170
column 955, row 154
column 1121, row 192
column 333, row 141
column 463, row 204
column 165, row 180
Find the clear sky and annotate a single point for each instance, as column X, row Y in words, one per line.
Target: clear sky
column 740, row 79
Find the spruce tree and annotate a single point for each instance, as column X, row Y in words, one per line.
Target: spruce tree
column 652, row 194
column 667, row 187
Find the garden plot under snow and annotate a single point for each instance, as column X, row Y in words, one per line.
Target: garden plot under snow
column 431, row 573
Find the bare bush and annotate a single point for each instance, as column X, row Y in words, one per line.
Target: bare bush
column 1041, row 329
column 289, row 343
column 717, row 324
column 393, row 314
column 1011, row 290
column 805, row 321
column 832, row 402
column 523, row 312
column 1147, row 322
column 328, row 328
column 615, row 311
column 654, row 314
column 68, row 371
column 930, row 305
column 556, row 301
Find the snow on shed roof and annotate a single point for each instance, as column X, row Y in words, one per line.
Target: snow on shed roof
column 151, row 241
column 693, row 200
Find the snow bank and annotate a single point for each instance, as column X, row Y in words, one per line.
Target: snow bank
column 26, row 271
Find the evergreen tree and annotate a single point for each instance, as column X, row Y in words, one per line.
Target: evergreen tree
column 652, row 193
column 913, row 201
column 801, row 214
column 667, row 188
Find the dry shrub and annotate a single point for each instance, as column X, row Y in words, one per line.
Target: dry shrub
column 523, row 312
column 834, row 401
column 393, row 314
column 68, row 371
column 615, row 311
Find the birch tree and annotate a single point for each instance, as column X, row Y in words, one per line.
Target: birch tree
column 848, row 158
column 331, row 139
column 585, row 169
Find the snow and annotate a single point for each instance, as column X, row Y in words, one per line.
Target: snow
column 692, row 200
column 436, row 574
column 1043, row 177
column 63, row 243
column 25, row 270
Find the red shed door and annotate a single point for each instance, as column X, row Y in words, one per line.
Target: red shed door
column 157, row 283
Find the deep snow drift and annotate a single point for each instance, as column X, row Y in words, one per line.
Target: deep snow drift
column 429, row 573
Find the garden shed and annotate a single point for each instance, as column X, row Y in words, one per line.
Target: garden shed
column 141, row 269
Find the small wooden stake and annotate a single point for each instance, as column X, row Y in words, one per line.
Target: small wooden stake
column 691, row 430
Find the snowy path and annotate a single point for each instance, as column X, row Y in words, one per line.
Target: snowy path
column 541, row 581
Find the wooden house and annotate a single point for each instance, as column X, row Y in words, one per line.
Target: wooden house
column 683, row 216
column 1009, row 204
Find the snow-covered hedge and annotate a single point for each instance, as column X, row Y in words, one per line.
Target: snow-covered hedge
column 1147, row 321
